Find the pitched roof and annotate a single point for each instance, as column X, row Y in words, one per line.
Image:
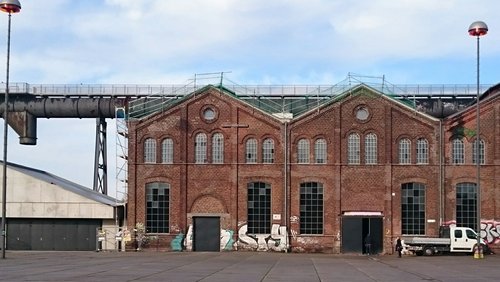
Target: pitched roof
column 64, row 184
column 488, row 96
column 295, row 105
column 143, row 108
column 360, row 88
column 491, row 92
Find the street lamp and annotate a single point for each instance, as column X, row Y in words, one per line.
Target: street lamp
column 478, row 29
column 10, row 7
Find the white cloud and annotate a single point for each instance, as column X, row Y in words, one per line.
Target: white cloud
column 270, row 42
column 118, row 40
column 379, row 30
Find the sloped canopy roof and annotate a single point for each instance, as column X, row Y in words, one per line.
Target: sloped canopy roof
column 64, row 184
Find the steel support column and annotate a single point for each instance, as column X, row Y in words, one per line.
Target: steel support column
column 100, row 160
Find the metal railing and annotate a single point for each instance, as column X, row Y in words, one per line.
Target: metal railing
column 143, row 90
column 148, row 99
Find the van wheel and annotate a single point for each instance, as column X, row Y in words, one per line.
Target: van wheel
column 428, row 251
column 419, row 253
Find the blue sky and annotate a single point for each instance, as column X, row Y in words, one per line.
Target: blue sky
column 260, row 42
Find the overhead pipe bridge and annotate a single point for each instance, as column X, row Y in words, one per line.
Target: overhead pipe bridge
column 28, row 102
column 24, row 109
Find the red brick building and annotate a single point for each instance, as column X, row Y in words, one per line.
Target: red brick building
column 213, row 172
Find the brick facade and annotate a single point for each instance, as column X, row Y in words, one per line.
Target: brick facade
column 361, row 193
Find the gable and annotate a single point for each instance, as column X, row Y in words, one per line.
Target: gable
column 195, row 103
column 364, row 96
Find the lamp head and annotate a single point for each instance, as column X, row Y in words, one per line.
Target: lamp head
column 10, row 6
column 478, row 28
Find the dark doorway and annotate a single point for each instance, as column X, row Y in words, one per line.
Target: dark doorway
column 206, row 234
column 357, row 230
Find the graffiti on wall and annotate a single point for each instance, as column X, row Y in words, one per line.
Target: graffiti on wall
column 275, row 241
column 176, row 243
column 188, row 242
column 226, row 239
column 490, row 230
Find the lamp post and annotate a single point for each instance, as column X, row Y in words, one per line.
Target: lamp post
column 478, row 29
column 10, row 7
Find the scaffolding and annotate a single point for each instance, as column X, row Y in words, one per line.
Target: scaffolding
column 121, row 154
column 294, row 100
column 121, row 181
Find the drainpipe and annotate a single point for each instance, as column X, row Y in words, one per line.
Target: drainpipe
column 236, row 230
column 136, row 166
column 285, row 184
column 441, row 173
column 186, row 174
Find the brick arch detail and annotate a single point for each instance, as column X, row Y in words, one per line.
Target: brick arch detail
column 208, row 204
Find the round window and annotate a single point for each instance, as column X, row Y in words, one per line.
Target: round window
column 362, row 114
column 209, row 114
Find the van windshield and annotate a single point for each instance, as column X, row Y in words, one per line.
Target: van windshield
column 471, row 234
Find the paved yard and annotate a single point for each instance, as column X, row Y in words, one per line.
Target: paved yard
column 241, row 266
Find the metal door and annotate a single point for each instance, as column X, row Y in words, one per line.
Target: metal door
column 206, row 234
column 37, row 242
column 352, row 239
column 64, row 242
column 18, row 236
column 52, row 234
column 87, row 237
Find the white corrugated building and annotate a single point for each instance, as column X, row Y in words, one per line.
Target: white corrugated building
column 47, row 212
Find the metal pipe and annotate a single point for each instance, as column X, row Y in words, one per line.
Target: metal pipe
column 478, row 161
column 478, row 29
column 441, row 174
column 285, row 184
column 5, row 131
column 98, row 107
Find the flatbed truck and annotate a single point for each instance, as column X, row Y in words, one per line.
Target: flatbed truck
column 451, row 239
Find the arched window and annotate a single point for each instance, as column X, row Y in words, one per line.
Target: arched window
column 218, row 148
column 251, row 151
column 167, row 151
column 157, row 207
column 457, row 151
column 353, row 154
column 311, row 208
column 422, row 151
column 320, row 151
column 150, row 150
column 405, row 151
column 303, row 151
column 268, row 151
column 200, row 148
column 481, row 152
column 371, row 148
column 413, row 209
column 259, row 208
column 466, row 205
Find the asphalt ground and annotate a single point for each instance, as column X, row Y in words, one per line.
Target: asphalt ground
column 242, row 266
